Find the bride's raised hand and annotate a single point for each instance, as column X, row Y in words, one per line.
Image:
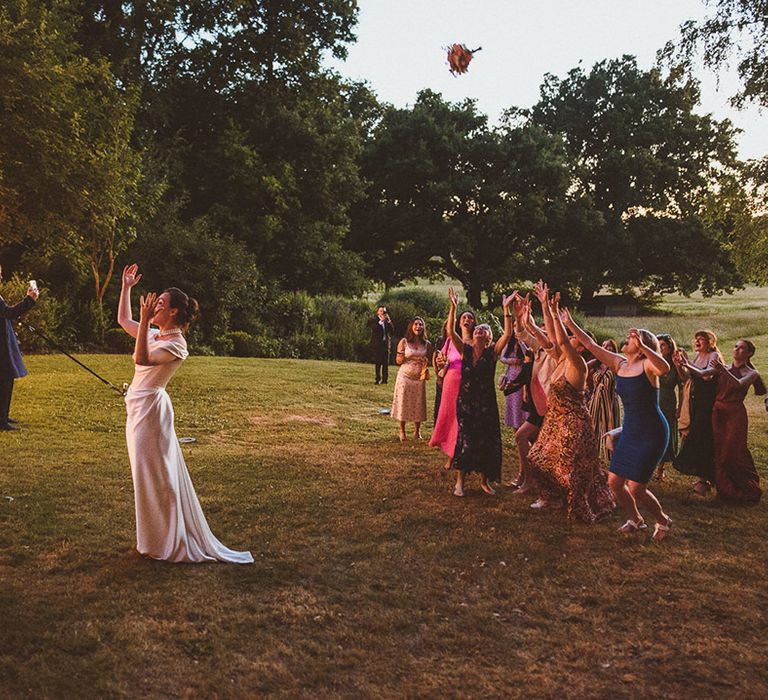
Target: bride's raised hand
column 131, row 275
column 147, row 307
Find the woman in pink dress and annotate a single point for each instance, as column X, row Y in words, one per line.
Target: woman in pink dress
column 735, row 476
column 446, row 427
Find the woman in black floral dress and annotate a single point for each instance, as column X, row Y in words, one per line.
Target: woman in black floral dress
column 478, row 444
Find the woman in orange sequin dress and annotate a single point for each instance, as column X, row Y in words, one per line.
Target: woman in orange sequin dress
column 564, row 459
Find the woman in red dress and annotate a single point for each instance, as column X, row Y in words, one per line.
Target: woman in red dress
column 735, row 476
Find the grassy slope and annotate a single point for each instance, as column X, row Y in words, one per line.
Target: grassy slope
column 370, row 579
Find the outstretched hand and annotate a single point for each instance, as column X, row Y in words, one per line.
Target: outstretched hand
column 717, row 365
column 518, row 304
column 507, row 300
column 452, row 297
column 147, row 307
column 541, row 290
column 566, row 318
column 130, row 275
column 635, row 334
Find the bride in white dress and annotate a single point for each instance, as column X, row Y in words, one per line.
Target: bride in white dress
column 170, row 524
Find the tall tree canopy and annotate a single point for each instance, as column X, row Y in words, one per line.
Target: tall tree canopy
column 447, row 194
column 70, row 179
column 652, row 168
column 737, row 29
column 736, row 32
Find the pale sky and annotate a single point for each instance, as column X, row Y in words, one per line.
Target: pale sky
column 399, row 50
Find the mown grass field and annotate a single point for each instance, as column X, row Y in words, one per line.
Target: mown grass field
column 371, row 579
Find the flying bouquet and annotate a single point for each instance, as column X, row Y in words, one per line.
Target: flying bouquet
column 459, row 57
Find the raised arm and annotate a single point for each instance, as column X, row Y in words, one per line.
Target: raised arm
column 501, row 343
column 655, row 364
column 458, row 343
column 680, row 360
column 520, row 308
column 576, row 371
column 707, row 373
column 747, row 379
column 537, row 334
column 542, row 294
column 13, row 312
column 561, row 336
column 612, row 360
column 124, row 314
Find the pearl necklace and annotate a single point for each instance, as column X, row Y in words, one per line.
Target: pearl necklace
column 170, row 331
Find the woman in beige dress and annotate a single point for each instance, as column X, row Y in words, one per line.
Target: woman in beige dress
column 414, row 354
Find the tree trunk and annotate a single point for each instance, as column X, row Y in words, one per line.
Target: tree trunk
column 101, row 286
column 586, row 293
column 474, row 296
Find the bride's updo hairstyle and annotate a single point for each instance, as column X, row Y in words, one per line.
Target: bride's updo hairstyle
column 187, row 308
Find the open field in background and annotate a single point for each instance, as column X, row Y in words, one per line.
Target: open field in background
column 370, row 579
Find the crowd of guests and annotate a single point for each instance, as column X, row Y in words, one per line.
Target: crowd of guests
column 577, row 406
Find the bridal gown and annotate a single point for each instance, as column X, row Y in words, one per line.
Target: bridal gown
column 170, row 524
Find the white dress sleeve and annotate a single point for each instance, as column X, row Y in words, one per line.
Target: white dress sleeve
column 176, row 345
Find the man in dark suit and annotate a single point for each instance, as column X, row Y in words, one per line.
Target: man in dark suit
column 11, row 364
column 382, row 331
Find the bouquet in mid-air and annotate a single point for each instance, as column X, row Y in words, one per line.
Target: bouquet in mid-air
column 459, row 57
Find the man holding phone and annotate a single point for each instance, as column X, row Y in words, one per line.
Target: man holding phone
column 382, row 331
column 11, row 364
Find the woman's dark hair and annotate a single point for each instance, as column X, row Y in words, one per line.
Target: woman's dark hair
column 458, row 320
column 760, row 388
column 513, row 347
column 187, row 308
column 444, row 331
column 670, row 341
column 410, row 336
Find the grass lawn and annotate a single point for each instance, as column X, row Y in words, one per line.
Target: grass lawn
column 371, row 579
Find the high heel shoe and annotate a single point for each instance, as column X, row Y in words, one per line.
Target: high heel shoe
column 632, row 526
column 661, row 531
column 702, row 488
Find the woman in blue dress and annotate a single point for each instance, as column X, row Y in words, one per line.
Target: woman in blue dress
column 645, row 432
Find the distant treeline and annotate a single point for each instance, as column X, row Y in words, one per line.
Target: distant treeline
column 210, row 143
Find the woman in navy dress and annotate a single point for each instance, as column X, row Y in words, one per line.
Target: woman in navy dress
column 645, row 432
column 478, row 443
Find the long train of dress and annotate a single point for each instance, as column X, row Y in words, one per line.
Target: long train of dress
column 170, row 524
